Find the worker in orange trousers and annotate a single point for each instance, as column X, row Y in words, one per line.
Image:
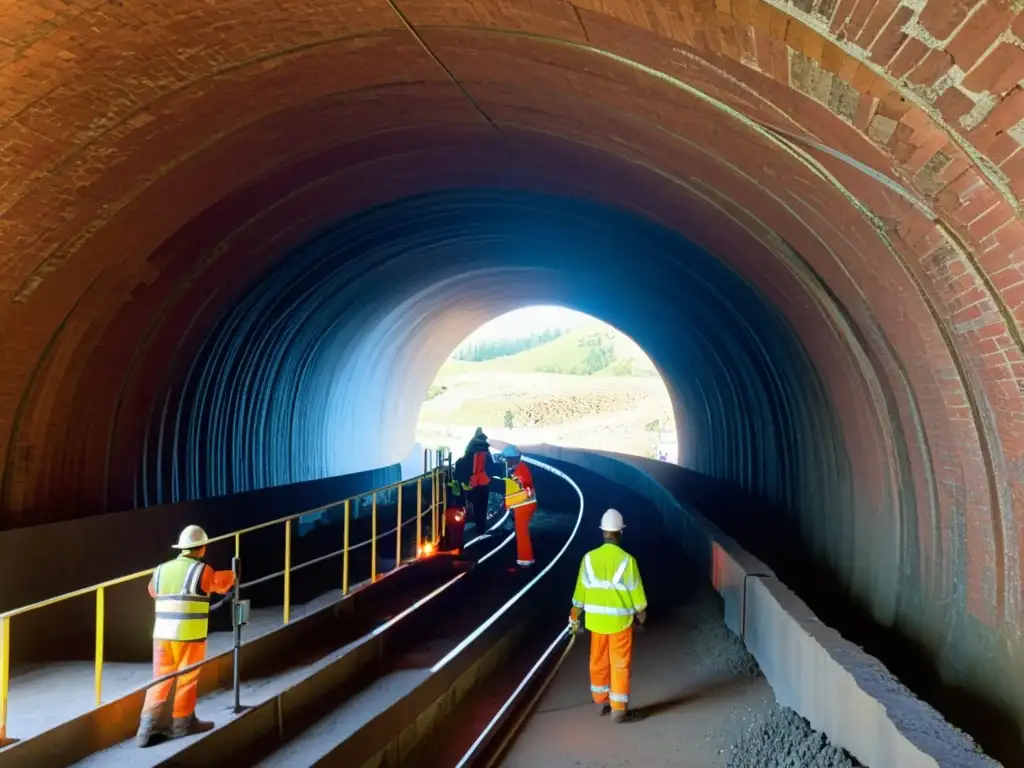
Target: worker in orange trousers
column 611, row 594
column 522, row 501
column 181, row 589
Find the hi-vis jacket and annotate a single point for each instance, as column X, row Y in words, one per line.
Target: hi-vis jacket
column 609, row 589
column 182, row 608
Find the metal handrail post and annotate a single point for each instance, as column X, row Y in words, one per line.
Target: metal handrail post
column 236, row 651
column 444, row 506
column 287, row 571
column 373, row 539
column 435, row 492
column 5, row 673
column 100, row 616
column 419, row 515
column 344, row 556
column 398, row 530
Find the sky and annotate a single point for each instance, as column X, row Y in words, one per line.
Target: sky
column 529, row 320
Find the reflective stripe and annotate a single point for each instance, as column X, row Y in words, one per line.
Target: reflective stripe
column 577, row 603
column 623, row 697
column 192, row 579
column 604, row 610
column 600, row 688
column 590, row 581
column 185, row 606
column 524, row 562
column 183, row 598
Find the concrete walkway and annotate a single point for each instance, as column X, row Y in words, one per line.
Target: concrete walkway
column 43, row 696
column 694, row 682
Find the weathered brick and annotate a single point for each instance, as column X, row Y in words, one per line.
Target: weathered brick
column 910, row 55
column 866, row 110
column 851, row 28
column 1007, row 113
column 941, row 17
column 998, row 71
column 991, row 221
column 1001, row 148
column 934, row 66
column 953, row 105
column 876, row 21
column 832, row 57
column 981, row 30
column 892, row 37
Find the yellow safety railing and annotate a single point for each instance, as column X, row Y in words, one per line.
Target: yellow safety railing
column 436, row 474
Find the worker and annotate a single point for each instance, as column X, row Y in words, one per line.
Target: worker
column 522, row 502
column 611, row 594
column 455, row 517
column 474, row 471
column 181, row 589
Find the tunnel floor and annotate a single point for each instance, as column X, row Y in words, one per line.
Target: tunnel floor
column 703, row 701
column 44, row 695
column 693, row 682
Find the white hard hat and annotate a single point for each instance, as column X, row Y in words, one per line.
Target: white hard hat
column 191, row 538
column 611, row 521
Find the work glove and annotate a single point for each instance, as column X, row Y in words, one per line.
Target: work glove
column 574, row 625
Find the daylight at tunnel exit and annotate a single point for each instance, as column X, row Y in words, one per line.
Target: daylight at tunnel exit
column 750, row 272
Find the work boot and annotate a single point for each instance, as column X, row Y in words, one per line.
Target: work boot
column 606, row 709
column 625, row 716
column 145, row 733
column 186, row 726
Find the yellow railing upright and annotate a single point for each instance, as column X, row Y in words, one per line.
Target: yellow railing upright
column 100, row 590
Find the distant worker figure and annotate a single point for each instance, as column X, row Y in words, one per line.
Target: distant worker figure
column 455, row 517
column 522, row 500
column 181, row 589
column 610, row 592
column 474, row 471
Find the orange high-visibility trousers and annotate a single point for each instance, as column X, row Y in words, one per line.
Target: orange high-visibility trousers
column 524, row 547
column 169, row 656
column 611, row 657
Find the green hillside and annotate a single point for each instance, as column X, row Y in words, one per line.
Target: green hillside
column 586, row 351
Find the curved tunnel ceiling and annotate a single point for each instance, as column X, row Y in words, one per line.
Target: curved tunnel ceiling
column 855, row 165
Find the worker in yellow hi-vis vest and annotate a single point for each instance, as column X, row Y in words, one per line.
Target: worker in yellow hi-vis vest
column 181, row 589
column 610, row 593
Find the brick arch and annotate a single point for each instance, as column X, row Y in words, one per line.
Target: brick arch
column 122, row 124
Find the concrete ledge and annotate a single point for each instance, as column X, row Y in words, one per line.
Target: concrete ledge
column 842, row 691
column 117, row 720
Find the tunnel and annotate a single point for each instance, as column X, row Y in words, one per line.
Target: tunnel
column 239, row 240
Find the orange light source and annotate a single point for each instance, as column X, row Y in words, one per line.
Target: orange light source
column 427, row 549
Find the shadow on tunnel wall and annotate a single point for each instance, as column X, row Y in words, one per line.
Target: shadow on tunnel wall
column 769, row 535
column 66, row 556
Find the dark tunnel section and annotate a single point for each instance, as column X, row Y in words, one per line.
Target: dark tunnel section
column 321, row 368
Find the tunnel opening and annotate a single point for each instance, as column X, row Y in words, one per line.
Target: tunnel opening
column 548, row 374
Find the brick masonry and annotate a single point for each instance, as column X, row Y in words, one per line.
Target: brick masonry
column 151, row 152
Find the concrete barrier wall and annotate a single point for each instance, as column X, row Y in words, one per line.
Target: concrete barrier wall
column 845, row 693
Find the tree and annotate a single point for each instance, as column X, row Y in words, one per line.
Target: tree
column 481, row 351
column 510, row 420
